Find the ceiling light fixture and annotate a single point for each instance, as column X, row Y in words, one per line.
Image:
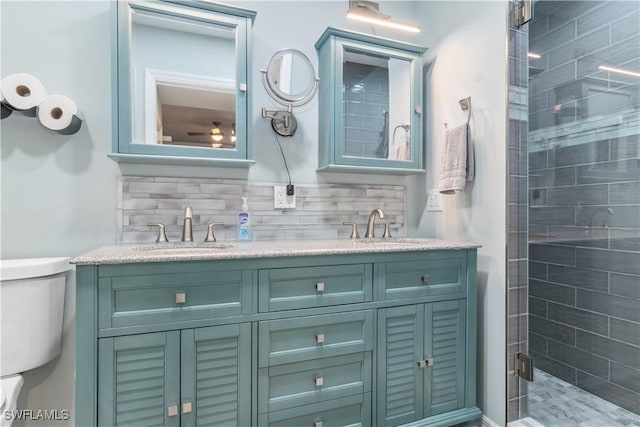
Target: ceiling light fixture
column 216, row 133
column 619, row 70
column 534, row 55
column 368, row 11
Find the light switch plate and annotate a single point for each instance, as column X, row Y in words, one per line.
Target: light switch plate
column 434, row 201
column 280, row 198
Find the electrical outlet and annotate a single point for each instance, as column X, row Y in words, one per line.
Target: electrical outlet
column 280, row 198
column 434, row 201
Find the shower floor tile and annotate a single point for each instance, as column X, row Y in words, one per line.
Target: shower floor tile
column 555, row 403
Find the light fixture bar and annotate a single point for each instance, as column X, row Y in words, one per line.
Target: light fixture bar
column 619, row 70
column 366, row 11
column 534, row 55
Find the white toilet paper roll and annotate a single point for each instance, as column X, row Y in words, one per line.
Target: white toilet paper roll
column 59, row 114
column 5, row 111
column 23, row 92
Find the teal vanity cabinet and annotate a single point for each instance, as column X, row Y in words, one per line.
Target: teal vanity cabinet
column 358, row 339
column 180, row 83
column 169, row 345
column 370, row 104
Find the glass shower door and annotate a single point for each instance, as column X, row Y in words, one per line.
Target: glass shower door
column 584, row 211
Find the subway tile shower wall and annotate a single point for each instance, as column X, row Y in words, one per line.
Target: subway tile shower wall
column 320, row 208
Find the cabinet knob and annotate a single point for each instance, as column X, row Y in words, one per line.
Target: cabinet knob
column 187, row 407
column 181, row 298
column 319, row 381
column 320, row 287
column 320, row 339
column 172, row 410
column 425, row 278
column 317, row 424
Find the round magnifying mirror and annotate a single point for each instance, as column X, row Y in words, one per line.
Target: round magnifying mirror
column 290, row 78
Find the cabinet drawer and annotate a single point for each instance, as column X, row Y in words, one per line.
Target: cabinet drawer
column 313, row 337
column 350, row 411
column 163, row 298
column 303, row 383
column 438, row 276
column 303, row 287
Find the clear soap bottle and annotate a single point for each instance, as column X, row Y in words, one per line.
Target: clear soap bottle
column 244, row 223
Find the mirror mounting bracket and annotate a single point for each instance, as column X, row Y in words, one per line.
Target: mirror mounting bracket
column 283, row 122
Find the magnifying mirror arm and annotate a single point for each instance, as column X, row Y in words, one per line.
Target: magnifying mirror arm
column 268, row 113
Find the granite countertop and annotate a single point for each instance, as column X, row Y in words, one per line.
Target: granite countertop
column 192, row 251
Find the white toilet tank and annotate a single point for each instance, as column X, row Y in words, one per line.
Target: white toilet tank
column 32, row 304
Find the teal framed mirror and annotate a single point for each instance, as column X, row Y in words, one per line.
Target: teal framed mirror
column 371, row 101
column 180, row 83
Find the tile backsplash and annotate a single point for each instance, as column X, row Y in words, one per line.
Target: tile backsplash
column 320, row 208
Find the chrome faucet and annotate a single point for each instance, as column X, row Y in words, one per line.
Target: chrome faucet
column 371, row 222
column 187, row 227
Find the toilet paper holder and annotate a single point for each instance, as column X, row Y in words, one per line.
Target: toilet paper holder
column 24, row 93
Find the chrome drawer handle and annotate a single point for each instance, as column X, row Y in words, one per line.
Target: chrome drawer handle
column 320, row 287
column 320, row 339
column 187, row 407
column 181, row 298
column 319, row 381
column 172, row 410
column 425, row 278
column 425, row 363
column 317, row 424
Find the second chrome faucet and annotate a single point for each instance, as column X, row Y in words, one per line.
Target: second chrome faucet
column 370, row 225
column 372, row 220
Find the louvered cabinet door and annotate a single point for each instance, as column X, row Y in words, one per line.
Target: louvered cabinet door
column 445, row 346
column 216, row 376
column 400, row 383
column 139, row 380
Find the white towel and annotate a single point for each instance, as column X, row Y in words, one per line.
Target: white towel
column 458, row 165
column 400, row 151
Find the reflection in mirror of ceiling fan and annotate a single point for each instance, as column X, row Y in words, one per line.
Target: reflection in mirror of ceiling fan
column 217, row 135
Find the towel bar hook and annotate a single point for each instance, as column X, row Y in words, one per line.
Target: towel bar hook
column 465, row 105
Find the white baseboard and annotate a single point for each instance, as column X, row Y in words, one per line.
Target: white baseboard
column 488, row 422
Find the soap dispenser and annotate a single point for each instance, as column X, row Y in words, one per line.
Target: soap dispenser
column 244, row 223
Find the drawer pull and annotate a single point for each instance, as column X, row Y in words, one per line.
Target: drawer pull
column 319, row 381
column 320, row 339
column 172, row 410
column 187, row 407
column 425, row 278
column 320, row 287
column 181, row 298
column 317, row 424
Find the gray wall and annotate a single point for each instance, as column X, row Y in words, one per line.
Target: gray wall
column 584, row 197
